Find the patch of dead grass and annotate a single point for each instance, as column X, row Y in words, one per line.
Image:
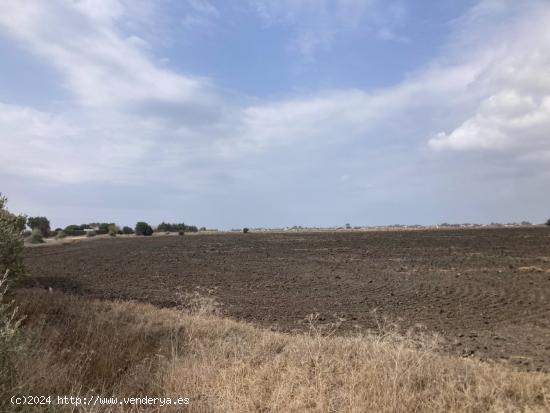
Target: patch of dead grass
column 77, row 346
column 531, row 268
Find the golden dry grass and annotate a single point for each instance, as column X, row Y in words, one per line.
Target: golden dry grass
column 75, row 346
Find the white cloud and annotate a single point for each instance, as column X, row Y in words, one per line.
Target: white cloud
column 127, row 113
column 513, row 115
column 202, row 14
column 318, row 24
column 134, row 121
column 506, row 121
column 102, row 66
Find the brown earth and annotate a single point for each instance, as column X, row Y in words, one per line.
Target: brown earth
column 487, row 291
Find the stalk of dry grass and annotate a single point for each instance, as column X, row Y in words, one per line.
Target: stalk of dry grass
column 89, row 347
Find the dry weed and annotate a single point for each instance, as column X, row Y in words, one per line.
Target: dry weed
column 123, row 348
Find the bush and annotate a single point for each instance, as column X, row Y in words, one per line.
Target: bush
column 40, row 223
column 548, row 222
column 74, row 230
column 180, row 233
column 11, row 241
column 127, row 230
column 245, row 230
column 103, row 228
column 167, row 227
column 60, row 235
column 9, row 326
column 143, row 228
column 113, row 230
column 35, row 237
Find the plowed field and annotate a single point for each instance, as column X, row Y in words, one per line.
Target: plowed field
column 487, row 291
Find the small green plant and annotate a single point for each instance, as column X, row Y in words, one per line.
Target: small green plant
column 143, row 228
column 35, row 237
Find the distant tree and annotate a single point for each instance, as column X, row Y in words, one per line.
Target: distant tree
column 164, row 227
column 127, row 230
column 42, row 224
column 74, row 230
column 168, row 227
column 143, row 228
column 245, row 230
column 103, row 227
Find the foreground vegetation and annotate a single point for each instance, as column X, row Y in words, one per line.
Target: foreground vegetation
column 70, row 345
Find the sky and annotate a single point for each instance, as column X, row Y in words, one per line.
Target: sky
column 274, row 113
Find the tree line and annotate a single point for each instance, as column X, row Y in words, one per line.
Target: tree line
column 40, row 228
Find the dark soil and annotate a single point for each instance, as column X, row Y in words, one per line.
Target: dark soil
column 487, row 291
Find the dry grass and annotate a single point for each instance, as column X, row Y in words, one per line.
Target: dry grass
column 531, row 268
column 75, row 346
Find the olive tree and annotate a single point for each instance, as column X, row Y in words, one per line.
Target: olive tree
column 11, row 241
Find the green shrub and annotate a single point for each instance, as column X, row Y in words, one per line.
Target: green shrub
column 113, row 230
column 35, row 237
column 74, row 230
column 143, row 228
column 11, row 241
column 103, row 228
column 11, row 265
column 245, row 230
column 167, row 227
column 40, row 223
column 127, row 230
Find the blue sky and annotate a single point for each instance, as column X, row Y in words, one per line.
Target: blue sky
column 276, row 113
